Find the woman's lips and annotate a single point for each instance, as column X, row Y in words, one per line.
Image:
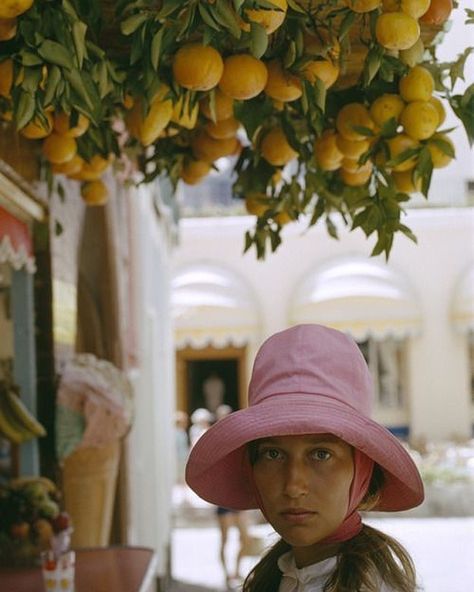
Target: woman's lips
column 297, row 516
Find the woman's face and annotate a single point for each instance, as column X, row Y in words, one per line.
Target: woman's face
column 304, row 482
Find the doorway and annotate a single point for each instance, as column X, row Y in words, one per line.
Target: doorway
column 209, row 377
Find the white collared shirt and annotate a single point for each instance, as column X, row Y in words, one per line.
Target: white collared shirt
column 307, row 579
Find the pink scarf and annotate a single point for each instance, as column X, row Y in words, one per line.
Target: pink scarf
column 352, row 523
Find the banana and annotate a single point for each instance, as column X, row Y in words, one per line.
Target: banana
column 23, row 416
column 8, row 426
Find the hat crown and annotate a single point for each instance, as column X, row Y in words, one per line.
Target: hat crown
column 314, row 360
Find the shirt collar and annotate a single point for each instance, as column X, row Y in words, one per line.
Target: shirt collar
column 321, row 569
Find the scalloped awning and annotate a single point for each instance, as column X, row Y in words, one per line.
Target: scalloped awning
column 16, row 245
column 462, row 311
column 212, row 306
column 357, row 296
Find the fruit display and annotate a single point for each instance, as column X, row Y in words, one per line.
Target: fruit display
column 17, row 423
column 325, row 107
column 31, row 521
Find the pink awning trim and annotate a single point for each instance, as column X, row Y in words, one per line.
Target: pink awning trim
column 16, row 245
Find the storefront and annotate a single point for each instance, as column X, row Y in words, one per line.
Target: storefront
column 19, row 213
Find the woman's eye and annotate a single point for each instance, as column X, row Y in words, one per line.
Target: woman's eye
column 321, row 454
column 270, row 454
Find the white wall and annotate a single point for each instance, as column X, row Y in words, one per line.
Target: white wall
column 151, row 452
column 438, row 366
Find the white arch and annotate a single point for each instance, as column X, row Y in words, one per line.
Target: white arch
column 212, row 305
column 359, row 296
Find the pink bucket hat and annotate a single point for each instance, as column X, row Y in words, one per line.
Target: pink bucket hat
column 308, row 379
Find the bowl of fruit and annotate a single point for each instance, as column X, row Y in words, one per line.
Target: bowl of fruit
column 31, row 521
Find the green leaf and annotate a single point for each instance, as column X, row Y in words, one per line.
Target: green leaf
column 237, row 4
column 296, row 7
column 206, row 16
column 132, row 23
column 79, row 30
column 224, row 15
column 258, row 40
column 372, row 64
column 156, row 48
column 52, row 82
column 29, row 58
column 290, row 55
column 58, row 227
column 252, row 113
column 57, row 54
column 31, row 80
column 167, row 8
column 25, row 110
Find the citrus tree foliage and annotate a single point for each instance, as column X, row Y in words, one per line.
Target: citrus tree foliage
column 335, row 127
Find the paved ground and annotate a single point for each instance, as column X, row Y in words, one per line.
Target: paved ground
column 443, row 550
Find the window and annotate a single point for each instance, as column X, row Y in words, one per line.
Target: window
column 386, row 361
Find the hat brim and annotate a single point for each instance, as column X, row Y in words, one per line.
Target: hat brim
column 218, row 465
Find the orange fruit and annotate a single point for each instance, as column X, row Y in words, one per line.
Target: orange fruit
column 7, row 29
column 282, row 218
column 128, row 101
column 224, row 106
column 270, row 20
column 281, row 84
column 11, row 8
column 362, row 5
column 419, row 120
column 404, row 181
column 275, row 148
column 58, row 149
column 352, row 166
column 415, row 8
column 226, row 128
column 147, row 129
column 197, row 67
column 438, row 12
column 183, row 115
column 244, row 77
column 399, row 144
column 255, row 203
column 194, row 171
column 325, row 70
column 396, row 30
column 87, row 172
column 350, row 116
column 386, row 107
column 413, row 55
column 209, row 149
column 95, row 193
column 438, row 105
column 70, row 167
column 326, row 152
column 416, row 85
column 6, row 77
column 351, row 148
column 61, row 125
column 355, row 179
column 37, row 129
column 439, row 158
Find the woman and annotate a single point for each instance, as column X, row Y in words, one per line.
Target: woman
column 308, row 455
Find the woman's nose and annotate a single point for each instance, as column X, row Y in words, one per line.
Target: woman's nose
column 296, row 480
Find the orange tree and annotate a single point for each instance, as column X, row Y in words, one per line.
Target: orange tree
column 325, row 106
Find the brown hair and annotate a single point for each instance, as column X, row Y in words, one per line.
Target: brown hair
column 363, row 562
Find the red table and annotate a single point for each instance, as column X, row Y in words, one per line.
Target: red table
column 108, row 569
